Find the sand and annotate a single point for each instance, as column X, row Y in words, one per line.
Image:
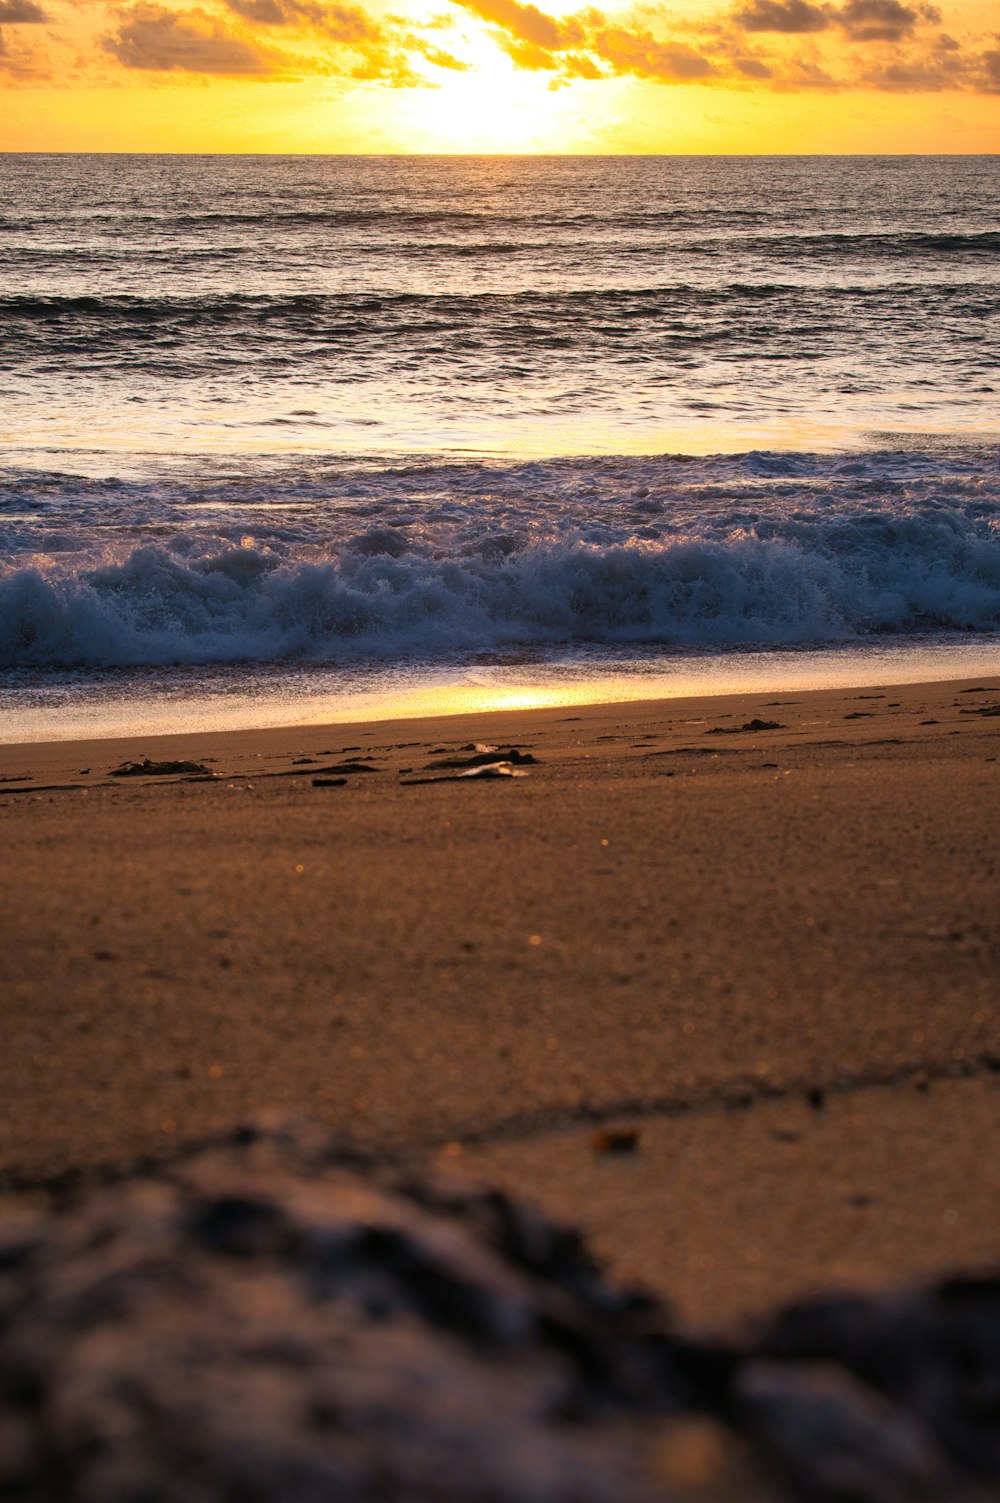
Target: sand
column 773, row 952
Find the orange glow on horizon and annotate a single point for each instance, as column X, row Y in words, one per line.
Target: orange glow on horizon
column 499, row 76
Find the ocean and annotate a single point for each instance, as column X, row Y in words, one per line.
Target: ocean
column 288, row 438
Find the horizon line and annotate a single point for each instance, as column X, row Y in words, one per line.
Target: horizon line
column 14, row 151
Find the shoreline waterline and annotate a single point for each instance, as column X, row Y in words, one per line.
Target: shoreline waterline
column 280, row 696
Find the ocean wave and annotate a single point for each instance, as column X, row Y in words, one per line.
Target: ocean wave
column 191, row 336
column 392, row 218
column 759, row 229
column 793, row 581
column 897, row 245
column 652, row 301
column 239, row 306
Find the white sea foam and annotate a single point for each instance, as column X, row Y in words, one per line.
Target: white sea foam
column 341, row 565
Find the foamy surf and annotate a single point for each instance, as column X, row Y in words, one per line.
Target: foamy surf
column 357, row 565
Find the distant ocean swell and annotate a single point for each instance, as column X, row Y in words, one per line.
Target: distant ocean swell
column 650, row 301
column 650, row 327
column 381, row 597
column 393, row 225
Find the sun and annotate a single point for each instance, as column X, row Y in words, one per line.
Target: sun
column 494, row 107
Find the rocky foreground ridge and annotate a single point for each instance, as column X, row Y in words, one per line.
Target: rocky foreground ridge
column 277, row 1319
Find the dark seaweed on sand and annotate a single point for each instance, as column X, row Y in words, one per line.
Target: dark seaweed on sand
column 148, row 769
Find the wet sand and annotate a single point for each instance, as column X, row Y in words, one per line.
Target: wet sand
column 773, row 952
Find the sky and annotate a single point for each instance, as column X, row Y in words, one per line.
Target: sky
column 500, row 76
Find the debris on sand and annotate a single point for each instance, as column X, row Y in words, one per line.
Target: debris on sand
column 615, row 1140
column 148, row 769
column 751, row 725
column 487, row 756
column 494, row 770
column 336, row 767
column 481, row 770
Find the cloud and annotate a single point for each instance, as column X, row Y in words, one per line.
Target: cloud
column 264, row 12
column 439, row 57
column 154, row 39
column 580, row 65
column 639, row 53
column 792, row 17
column 376, row 50
column 525, row 22
column 384, row 55
column 920, row 78
column 990, row 75
column 805, row 74
column 21, row 63
column 348, row 24
column 863, row 20
column 526, row 55
column 626, row 52
column 882, row 20
column 590, row 44
column 650, row 43
column 946, row 67
column 21, row 13
column 644, row 44
column 577, row 44
column 385, row 67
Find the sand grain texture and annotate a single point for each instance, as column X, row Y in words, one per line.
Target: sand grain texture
column 654, row 924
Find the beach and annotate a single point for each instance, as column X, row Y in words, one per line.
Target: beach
column 714, row 979
column 498, row 797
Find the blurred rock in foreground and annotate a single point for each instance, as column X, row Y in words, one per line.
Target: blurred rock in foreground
column 278, row 1320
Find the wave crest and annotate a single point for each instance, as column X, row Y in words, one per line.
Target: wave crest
column 794, row 582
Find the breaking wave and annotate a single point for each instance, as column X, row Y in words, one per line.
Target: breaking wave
column 380, row 596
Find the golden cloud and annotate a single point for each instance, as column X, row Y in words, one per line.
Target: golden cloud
column 524, row 22
column 20, row 62
column 792, row 17
column 754, row 45
column 21, row 13
column 655, row 44
column 154, row 39
column 382, row 49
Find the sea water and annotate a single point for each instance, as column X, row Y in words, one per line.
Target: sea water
column 291, row 437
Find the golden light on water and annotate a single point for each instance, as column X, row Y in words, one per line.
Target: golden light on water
column 475, row 698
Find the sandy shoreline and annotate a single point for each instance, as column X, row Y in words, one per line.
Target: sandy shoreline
column 775, row 951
